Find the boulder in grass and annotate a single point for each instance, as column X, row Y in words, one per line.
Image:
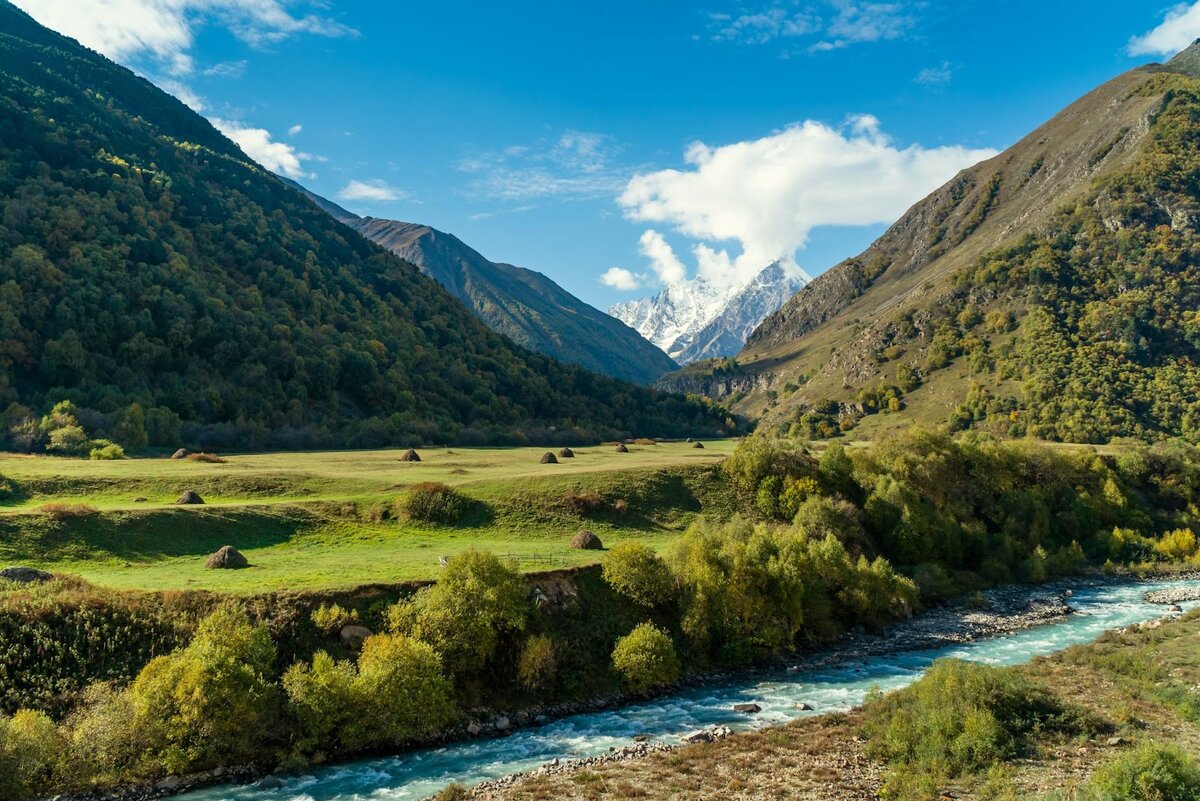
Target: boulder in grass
column 228, row 558
column 549, row 458
column 353, row 636
column 25, row 575
column 587, row 541
column 182, row 453
column 621, row 448
column 189, row 498
column 410, row 456
column 566, row 453
column 697, row 444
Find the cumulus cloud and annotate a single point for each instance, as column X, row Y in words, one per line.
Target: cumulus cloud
column 1179, row 28
column 622, row 279
column 278, row 157
column 375, row 190
column 766, row 195
column 164, row 30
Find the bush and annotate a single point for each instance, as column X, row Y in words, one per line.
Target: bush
column 636, row 571
column 583, row 502
column 1177, row 545
column 103, row 450
column 1151, row 772
column 29, row 749
column 401, row 692
column 322, row 699
column 476, row 598
column 538, row 664
column 330, row 619
column 66, row 511
column 434, row 502
column 960, row 718
column 645, row 658
column 208, row 458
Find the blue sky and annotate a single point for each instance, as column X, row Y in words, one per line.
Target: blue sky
column 641, row 141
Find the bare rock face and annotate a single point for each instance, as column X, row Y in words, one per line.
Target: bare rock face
column 587, row 541
column 227, row 558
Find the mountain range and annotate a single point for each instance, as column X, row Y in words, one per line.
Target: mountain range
column 150, row 270
column 524, row 305
column 697, row 320
column 1050, row 291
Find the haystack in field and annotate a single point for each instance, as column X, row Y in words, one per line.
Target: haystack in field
column 621, row 448
column 566, row 453
column 410, row 456
column 182, row 453
column 587, row 541
column 549, row 458
column 189, row 498
column 227, row 558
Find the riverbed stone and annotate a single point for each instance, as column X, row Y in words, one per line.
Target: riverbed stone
column 749, row 709
column 169, row 784
column 502, row 723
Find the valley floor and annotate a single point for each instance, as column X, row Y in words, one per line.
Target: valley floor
column 327, row 519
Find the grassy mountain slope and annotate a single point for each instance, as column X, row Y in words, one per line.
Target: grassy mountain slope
column 1050, row 291
column 524, row 305
column 144, row 258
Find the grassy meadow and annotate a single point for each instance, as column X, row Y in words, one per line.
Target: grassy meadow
column 326, row 519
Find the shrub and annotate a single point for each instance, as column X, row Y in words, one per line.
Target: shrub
column 66, row 511
column 29, row 749
column 538, row 664
column 645, row 658
column 1177, row 545
column 583, row 502
column 103, row 450
column 322, row 699
column 635, row 571
column 208, row 458
column 453, row 792
column 960, row 718
column 330, row 619
column 434, row 502
column 1151, row 772
column 477, row 597
column 401, row 692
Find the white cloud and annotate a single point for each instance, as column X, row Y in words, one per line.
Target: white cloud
column 164, row 30
column 574, row 164
column 1179, row 28
column 835, row 23
column 377, row 191
column 935, row 76
column 768, row 194
column 295, row 129
column 622, row 279
column 226, row 69
column 278, row 157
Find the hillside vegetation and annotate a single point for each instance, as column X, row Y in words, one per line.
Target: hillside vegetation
column 147, row 261
column 1048, row 292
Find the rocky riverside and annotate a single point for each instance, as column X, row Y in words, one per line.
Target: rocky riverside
column 1172, row 597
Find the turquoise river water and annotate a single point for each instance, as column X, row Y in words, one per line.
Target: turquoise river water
column 421, row 773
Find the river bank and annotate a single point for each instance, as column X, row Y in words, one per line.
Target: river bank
column 1011, row 629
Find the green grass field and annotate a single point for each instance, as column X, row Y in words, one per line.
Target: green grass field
column 321, row 519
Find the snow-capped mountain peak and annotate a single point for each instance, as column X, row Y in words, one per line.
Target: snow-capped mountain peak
column 695, row 319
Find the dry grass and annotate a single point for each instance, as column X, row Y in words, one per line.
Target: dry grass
column 208, row 458
column 67, row 511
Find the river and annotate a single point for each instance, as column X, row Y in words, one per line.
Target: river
column 421, row 773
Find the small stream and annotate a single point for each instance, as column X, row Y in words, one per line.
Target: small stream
column 419, row 774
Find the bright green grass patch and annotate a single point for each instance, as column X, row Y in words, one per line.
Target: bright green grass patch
column 323, row 520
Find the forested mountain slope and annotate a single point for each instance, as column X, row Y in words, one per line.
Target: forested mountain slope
column 1051, row 291
column 144, row 259
column 522, row 304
